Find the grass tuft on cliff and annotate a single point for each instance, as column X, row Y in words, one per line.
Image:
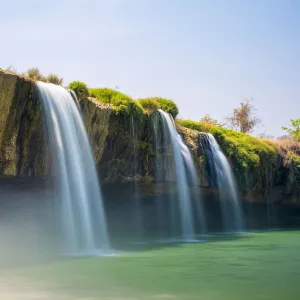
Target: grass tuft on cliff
column 122, row 104
column 155, row 103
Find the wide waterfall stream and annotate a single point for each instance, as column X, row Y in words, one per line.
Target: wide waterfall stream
column 78, row 194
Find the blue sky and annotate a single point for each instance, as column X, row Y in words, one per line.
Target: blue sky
column 205, row 55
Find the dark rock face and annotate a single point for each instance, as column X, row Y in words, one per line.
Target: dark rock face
column 21, row 128
column 117, row 146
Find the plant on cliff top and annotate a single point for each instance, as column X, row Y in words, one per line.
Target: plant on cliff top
column 53, row 78
column 121, row 103
column 295, row 130
column 149, row 104
column 35, row 74
column 79, row 88
column 155, row 103
column 243, row 118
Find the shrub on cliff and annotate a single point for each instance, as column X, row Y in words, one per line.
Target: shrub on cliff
column 168, row 106
column 149, row 104
column 121, row 103
column 294, row 129
column 35, row 74
column 155, row 103
column 79, row 88
column 53, row 78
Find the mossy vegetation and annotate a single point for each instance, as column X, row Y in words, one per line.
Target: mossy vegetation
column 79, row 88
column 154, row 103
column 121, row 103
column 251, row 155
column 245, row 151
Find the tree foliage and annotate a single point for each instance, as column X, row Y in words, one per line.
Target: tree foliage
column 294, row 131
column 243, row 118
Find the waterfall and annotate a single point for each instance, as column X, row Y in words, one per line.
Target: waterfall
column 188, row 159
column 221, row 171
column 77, row 189
column 165, row 205
column 180, row 155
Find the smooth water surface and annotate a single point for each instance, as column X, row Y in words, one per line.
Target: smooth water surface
column 262, row 266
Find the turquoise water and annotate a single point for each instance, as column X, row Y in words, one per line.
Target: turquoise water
column 249, row 266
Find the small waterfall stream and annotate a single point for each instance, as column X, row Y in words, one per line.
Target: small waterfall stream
column 182, row 160
column 222, row 172
column 77, row 189
column 165, row 205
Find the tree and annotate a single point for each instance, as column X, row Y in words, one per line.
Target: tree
column 243, row 118
column 294, row 131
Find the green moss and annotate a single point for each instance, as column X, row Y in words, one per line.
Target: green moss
column 155, row 103
column 245, row 151
column 149, row 104
column 79, row 88
column 122, row 104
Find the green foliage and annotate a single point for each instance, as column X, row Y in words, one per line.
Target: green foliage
column 149, row 104
column 202, row 126
column 121, row 103
column 79, row 88
column 245, row 151
column 53, row 78
column 295, row 130
column 168, row 106
column 160, row 103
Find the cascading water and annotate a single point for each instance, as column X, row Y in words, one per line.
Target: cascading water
column 187, row 227
column 221, row 171
column 188, row 159
column 165, row 205
column 77, row 188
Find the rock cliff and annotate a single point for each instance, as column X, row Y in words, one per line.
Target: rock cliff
column 124, row 148
column 21, row 128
